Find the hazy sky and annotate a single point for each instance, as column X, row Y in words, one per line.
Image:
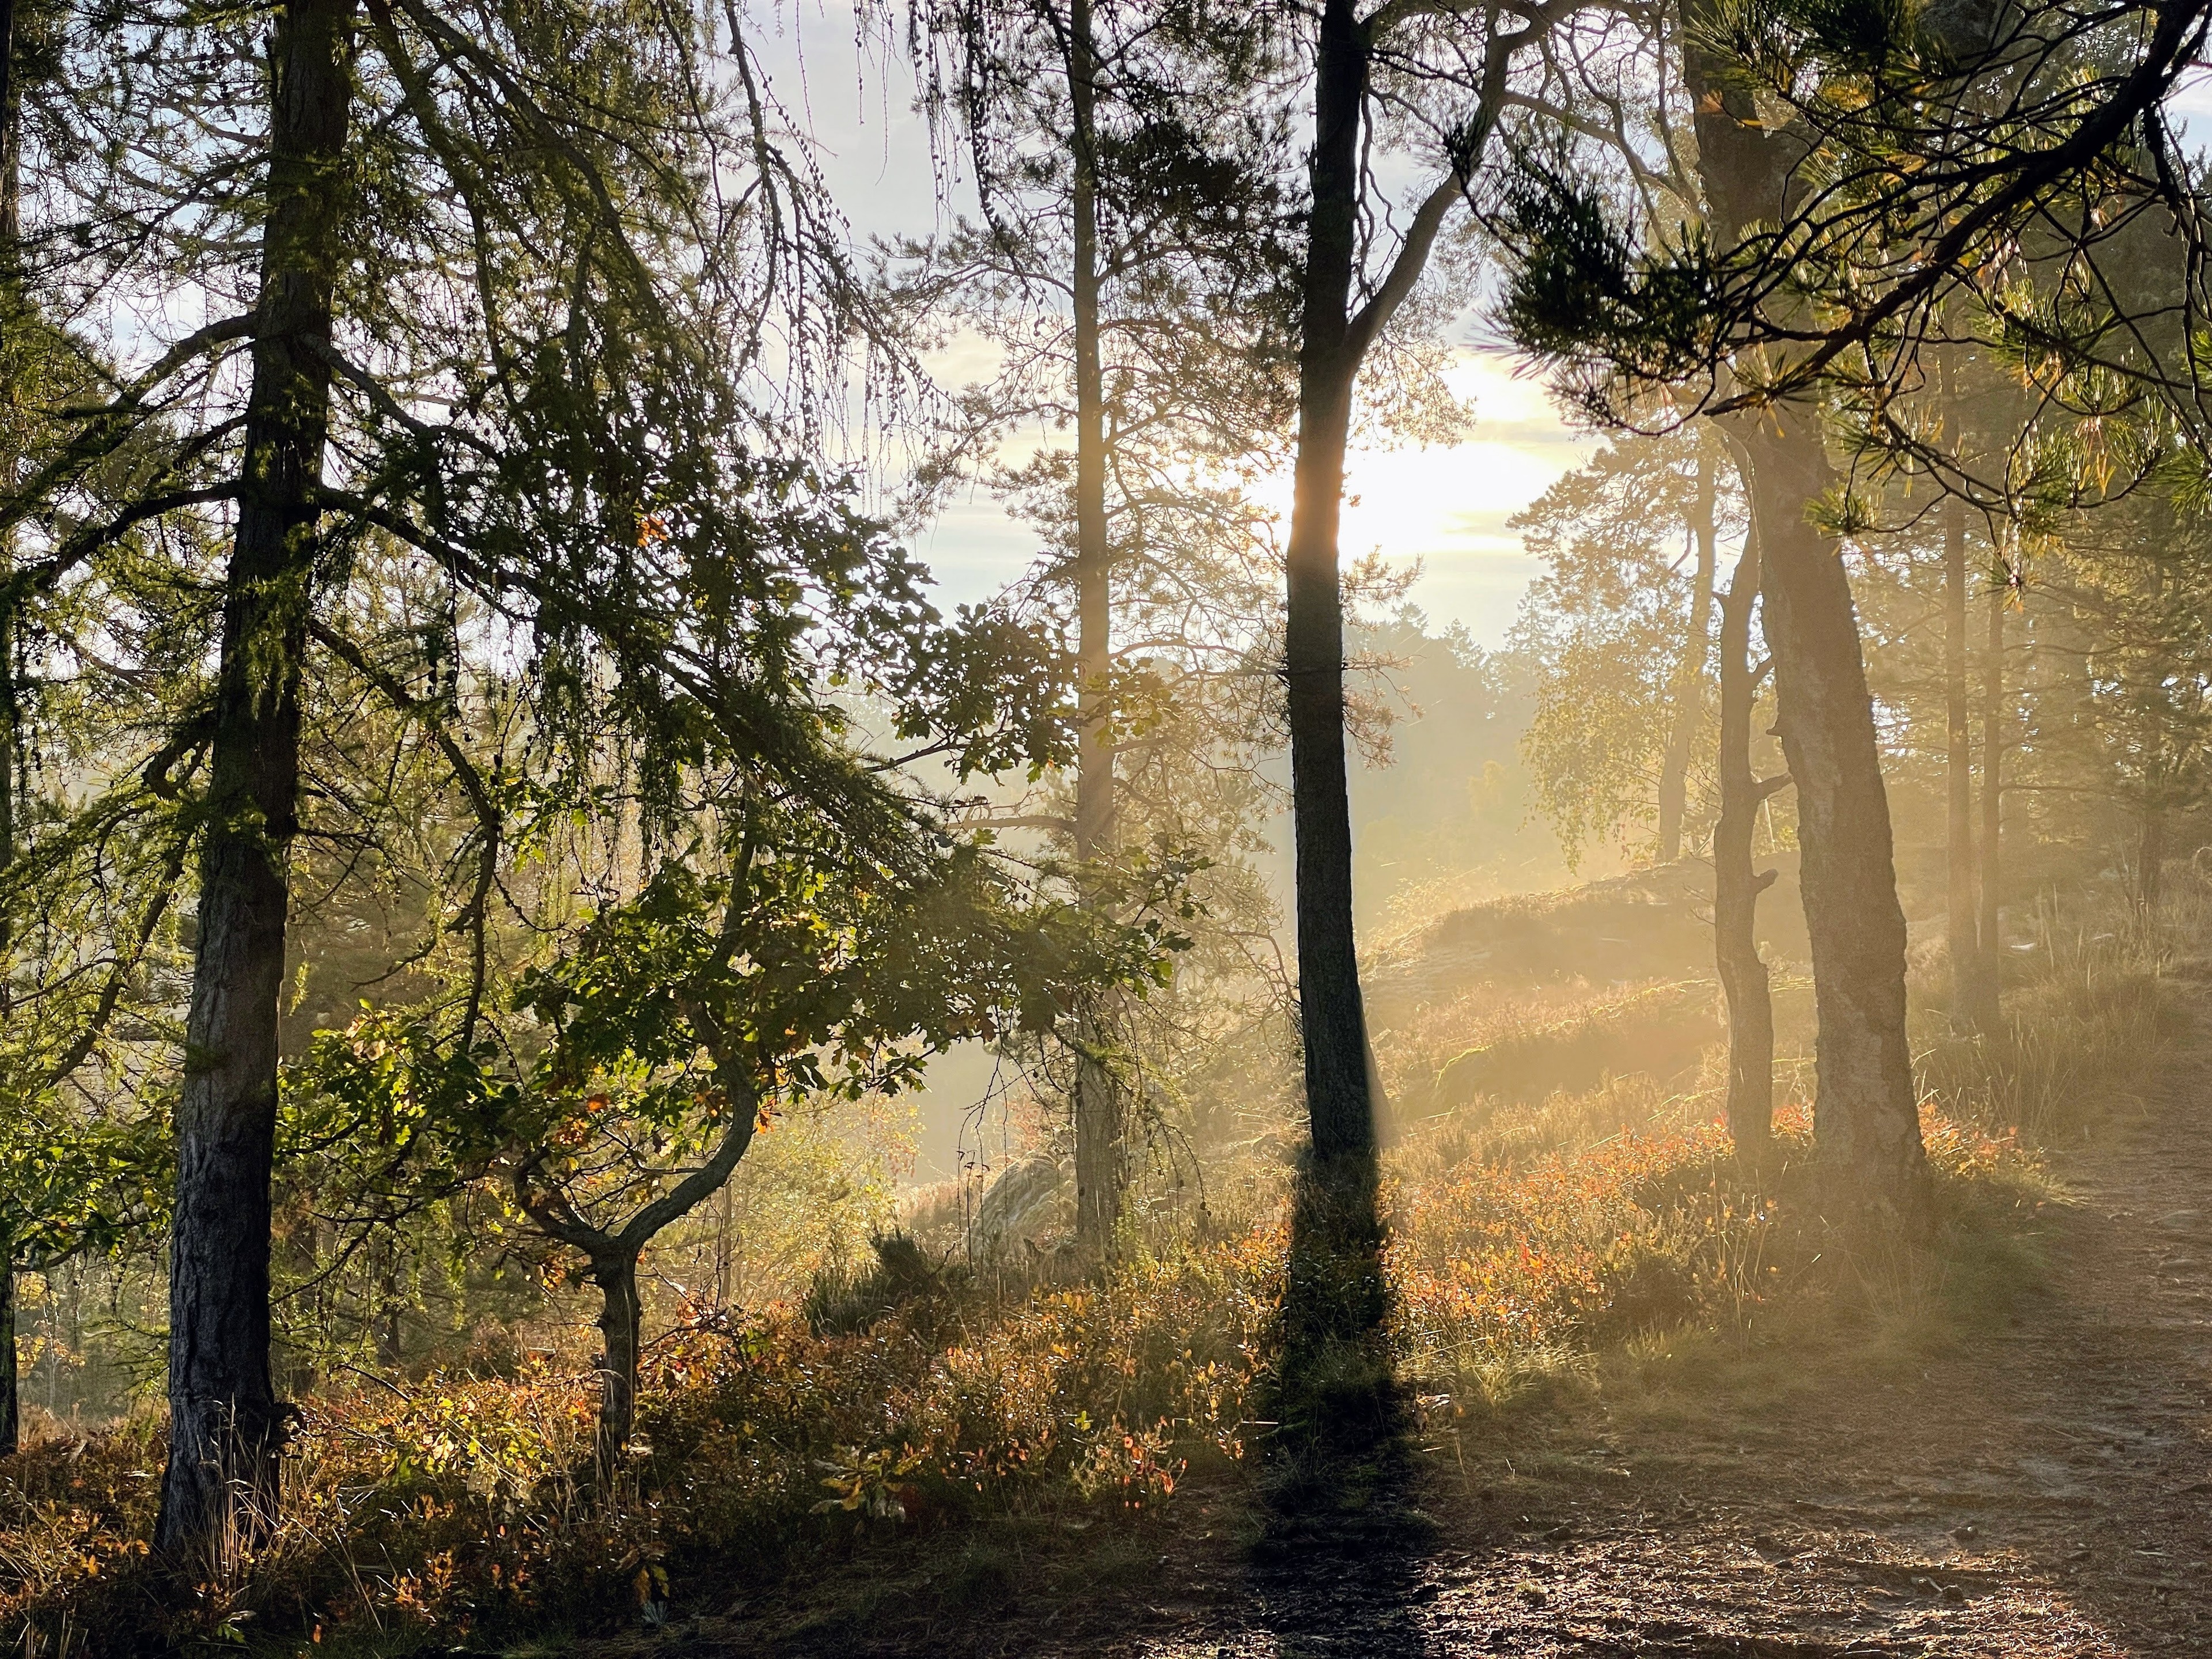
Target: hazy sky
column 1446, row 508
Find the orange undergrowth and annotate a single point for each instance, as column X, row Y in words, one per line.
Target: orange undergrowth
column 1497, row 1269
column 457, row 1504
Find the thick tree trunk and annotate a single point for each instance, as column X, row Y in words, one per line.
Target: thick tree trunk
column 1865, row 1113
column 1689, row 696
column 1963, row 937
column 1736, row 884
column 1100, row 1161
column 1866, row 1116
column 1991, row 977
column 220, row 1486
column 621, row 1320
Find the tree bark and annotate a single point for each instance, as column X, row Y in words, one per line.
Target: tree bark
column 2150, row 861
column 1866, row 1113
column 11, row 140
column 1866, row 1116
column 1736, row 884
column 1335, row 1299
column 1100, row 1163
column 221, row 1485
column 614, row 1252
column 11, row 1426
column 1963, row 937
column 1336, row 1292
column 1689, row 697
column 1331, row 1012
column 621, row 1318
column 1991, row 977
column 11, row 713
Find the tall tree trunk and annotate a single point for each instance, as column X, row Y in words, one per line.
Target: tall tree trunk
column 1336, row 1290
column 1099, row 1158
column 1992, row 976
column 1866, row 1114
column 11, row 711
column 1736, row 884
column 621, row 1318
column 221, row 1485
column 1689, row 696
column 1331, row 1013
column 1962, row 932
column 1336, row 1293
column 10, row 1377
column 2150, row 861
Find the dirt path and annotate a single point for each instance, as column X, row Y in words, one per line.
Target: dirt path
column 2039, row 1485
column 2044, row 1487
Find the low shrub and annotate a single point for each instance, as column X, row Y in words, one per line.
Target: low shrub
column 906, row 1396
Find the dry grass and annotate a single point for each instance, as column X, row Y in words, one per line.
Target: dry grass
column 1530, row 1236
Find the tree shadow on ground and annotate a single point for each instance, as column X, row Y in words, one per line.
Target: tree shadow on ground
column 1343, row 1564
column 1343, row 1555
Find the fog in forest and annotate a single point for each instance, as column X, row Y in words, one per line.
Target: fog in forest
column 1105, row 828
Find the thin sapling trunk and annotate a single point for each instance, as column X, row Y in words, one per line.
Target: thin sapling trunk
column 613, row 1253
column 2150, row 862
column 1737, row 883
column 1100, row 1160
column 1991, row 976
column 1689, row 695
column 1962, row 926
column 10, row 1375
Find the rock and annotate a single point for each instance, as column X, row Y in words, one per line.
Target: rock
column 1022, row 1203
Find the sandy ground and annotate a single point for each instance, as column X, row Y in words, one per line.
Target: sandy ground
column 2039, row 1483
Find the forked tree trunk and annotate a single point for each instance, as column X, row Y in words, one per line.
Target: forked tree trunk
column 1100, row 1160
column 621, row 1320
column 613, row 1253
column 1736, row 884
column 1963, row 939
column 221, row 1485
column 1866, row 1116
column 1689, row 695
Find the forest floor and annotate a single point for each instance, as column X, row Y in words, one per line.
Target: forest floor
column 2019, row 1464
